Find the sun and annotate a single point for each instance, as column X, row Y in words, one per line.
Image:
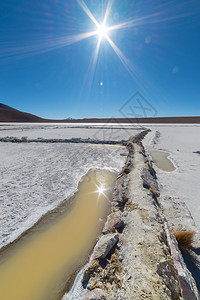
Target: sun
column 102, row 30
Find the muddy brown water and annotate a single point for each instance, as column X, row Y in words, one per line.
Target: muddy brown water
column 160, row 158
column 39, row 265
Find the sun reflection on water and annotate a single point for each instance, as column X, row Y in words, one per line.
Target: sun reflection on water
column 100, row 190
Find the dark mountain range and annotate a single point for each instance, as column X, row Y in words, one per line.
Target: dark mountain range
column 9, row 114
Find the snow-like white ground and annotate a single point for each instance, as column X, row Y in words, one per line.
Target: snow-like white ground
column 35, row 178
column 107, row 131
column 181, row 142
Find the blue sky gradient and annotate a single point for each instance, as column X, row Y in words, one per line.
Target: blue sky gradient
column 41, row 74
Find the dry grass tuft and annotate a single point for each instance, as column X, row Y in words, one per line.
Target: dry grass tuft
column 184, row 238
column 112, row 272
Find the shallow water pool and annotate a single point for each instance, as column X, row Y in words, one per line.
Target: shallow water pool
column 41, row 264
column 160, row 158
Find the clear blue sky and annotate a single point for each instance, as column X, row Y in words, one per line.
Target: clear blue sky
column 42, row 70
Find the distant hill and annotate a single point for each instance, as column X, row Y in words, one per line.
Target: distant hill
column 9, row 114
column 3, row 106
column 164, row 120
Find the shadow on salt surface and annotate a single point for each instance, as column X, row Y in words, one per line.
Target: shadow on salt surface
column 197, row 152
column 160, row 159
column 193, row 265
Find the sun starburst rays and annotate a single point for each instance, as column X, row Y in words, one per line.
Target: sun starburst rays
column 87, row 11
column 12, row 50
column 102, row 32
column 102, row 29
column 108, row 9
column 94, row 62
column 102, row 191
